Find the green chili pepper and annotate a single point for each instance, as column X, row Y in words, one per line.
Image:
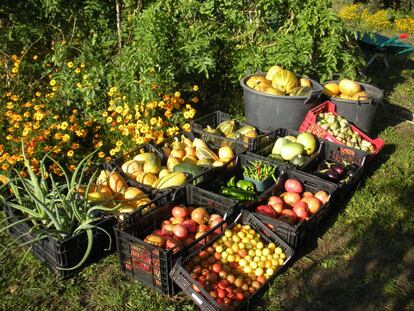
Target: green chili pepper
column 245, row 185
column 232, row 182
column 237, row 194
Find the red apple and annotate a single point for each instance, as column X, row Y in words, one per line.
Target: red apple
column 277, row 207
column 191, row 225
column 180, row 232
column 171, row 243
column 307, row 194
column 301, row 210
column 177, row 220
column 179, row 211
column 290, row 198
column 214, row 223
column 313, row 204
column 322, row 196
column 274, row 200
column 165, row 222
column 167, row 229
column 288, row 216
column 266, row 210
column 203, row 228
column 293, row 185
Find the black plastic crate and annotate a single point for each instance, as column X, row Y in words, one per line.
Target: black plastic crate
column 340, row 154
column 215, row 118
column 235, row 169
column 296, row 234
column 264, row 152
column 150, row 264
column 68, row 252
column 200, row 296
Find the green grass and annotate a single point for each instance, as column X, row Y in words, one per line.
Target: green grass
column 363, row 258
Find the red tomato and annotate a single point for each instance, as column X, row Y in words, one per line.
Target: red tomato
column 216, row 267
column 290, row 198
column 221, row 293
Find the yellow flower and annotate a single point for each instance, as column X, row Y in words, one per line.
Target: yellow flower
column 79, row 85
column 64, row 125
column 108, row 119
column 55, row 117
column 66, row 138
column 119, row 119
column 168, row 114
column 118, row 109
column 26, row 114
column 186, row 127
column 105, row 114
column 153, row 121
column 195, row 88
column 85, row 77
column 26, row 131
column 38, row 94
column 58, row 136
column 70, row 65
column 78, row 70
column 112, row 152
column 82, row 65
column 55, row 88
column 195, row 99
column 15, row 98
column 52, row 82
column 9, row 105
column 38, row 116
column 101, row 154
column 35, row 57
column 75, row 146
column 177, row 94
column 15, row 70
column 70, row 153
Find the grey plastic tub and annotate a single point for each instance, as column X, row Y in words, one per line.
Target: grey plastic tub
column 360, row 112
column 271, row 112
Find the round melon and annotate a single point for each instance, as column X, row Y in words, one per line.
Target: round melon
column 349, row 87
column 289, row 150
column 331, row 89
column 308, row 141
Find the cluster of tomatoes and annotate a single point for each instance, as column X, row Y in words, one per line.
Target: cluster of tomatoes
column 235, row 266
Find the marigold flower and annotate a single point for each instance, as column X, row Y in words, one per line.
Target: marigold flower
column 64, row 125
column 70, row 153
column 52, row 82
column 101, row 154
column 15, row 70
column 14, row 98
column 38, row 94
column 70, row 64
column 77, row 70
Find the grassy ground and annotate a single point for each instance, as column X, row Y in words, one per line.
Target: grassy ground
column 362, row 259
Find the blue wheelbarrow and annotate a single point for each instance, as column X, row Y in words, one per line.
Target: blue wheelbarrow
column 381, row 46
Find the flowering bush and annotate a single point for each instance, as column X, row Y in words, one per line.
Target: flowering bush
column 359, row 15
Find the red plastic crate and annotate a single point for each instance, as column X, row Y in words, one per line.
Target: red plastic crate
column 310, row 125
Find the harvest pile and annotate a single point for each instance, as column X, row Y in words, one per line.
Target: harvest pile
column 294, row 204
column 346, row 89
column 112, row 191
column 235, row 266
column 184, row 158
column 185, row 225
column 280, row 82
column 340, row 128
column 228, row 129
column 295, row 150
